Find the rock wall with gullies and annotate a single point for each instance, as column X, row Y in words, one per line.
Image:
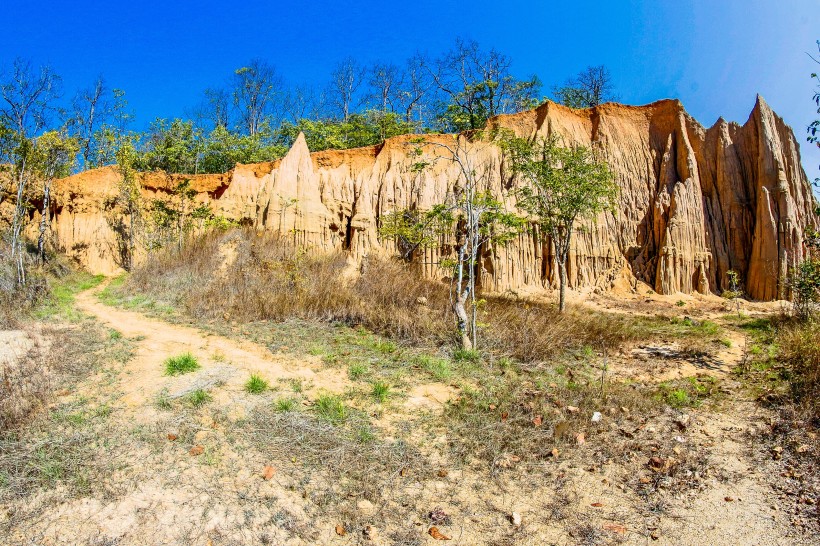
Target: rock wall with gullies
column 694, row 202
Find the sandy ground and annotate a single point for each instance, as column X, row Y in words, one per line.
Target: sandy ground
column 227, row 502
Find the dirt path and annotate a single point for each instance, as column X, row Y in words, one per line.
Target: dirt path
column 225, row 362
column 219, row 497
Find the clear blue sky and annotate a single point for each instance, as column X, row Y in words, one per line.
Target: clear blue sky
column 714, row 55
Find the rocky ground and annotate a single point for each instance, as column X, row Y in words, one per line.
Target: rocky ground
column 126, row 454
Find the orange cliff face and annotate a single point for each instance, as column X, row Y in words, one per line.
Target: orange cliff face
column 694, row 202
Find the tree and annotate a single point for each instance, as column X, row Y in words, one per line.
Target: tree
column 346, row 79
column 478, row 85
column 560, row 186
column 91, row 110
column 173, row 147
column 471, row 217
column 215, row 109
column 303, row 102
column 589, row 88
column 128, row 199
column 384, row 82
column 414, row 90
column 28, row 97
column 54, row 157
column 256, row 88
column 113, row 133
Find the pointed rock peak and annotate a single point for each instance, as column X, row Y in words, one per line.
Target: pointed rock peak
column 761, row 106
column 299, row 145
column 298, row 157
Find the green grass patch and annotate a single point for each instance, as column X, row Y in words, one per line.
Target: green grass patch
column 256, row 384
column 284, row 405
column 380, row 391
column 357, row 371
column 199, row 398
column 182, row 364
column 467, row 355
column 62, row 294
column 689, row 392
column 439, row 368
column 331, row 408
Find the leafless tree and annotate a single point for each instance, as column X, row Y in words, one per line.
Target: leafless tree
column 255, row 92
column 217, row 107
column 90, row 110
column 589, row 88
column 416, row 85
column 479, row 85
column 303, row 102
column 346, row 79
column 28, row 96
column 384, row 84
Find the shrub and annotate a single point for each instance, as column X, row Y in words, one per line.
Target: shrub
column 182, row 364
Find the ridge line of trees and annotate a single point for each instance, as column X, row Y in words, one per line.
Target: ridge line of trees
column 255, row 115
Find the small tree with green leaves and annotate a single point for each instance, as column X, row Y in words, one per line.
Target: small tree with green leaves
column 470, row 218
column 560, row 185
column 54, row 156
column 734, row 292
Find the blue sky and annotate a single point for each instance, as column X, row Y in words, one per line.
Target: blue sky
column 714, row 55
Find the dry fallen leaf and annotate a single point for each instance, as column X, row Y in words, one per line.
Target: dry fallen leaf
column 492, row 407
column 504, row 415
column 615, row 528
column 572, row 409
column 555, row 452
column 197, row 450
column 268, row 472
column 172, row 437
column 537, row 421
column 597, row 504
column 728, row 499
column 579, row 439
column 645, row 480
column 403, row 472
column 340, row 530
column 442, row 473
column 656, row 462
column 436, row 534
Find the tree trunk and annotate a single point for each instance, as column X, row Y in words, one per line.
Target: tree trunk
column 44, row 221
column 562, row 276
column 462, row 320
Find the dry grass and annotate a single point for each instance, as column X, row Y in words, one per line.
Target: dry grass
column 25, row 380
column 798, row 347
column 15, row 300
column 271, row 280
column 47, row 448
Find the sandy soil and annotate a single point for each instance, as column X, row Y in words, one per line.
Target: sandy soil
column 226, row 501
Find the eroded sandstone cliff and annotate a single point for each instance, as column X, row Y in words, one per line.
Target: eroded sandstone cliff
column 694, row 202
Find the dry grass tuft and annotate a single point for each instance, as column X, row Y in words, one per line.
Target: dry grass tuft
column 270, row 279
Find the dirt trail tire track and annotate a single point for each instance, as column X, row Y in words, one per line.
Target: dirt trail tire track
column 223, row 360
